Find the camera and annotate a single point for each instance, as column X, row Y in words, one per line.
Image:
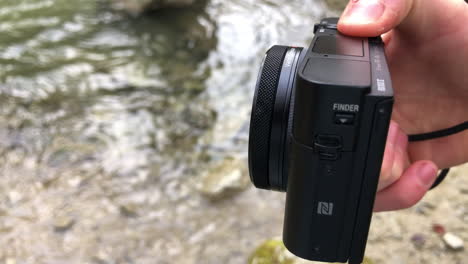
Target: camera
column 318, row 129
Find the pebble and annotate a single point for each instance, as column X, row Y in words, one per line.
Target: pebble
column 63, row 223
column 10, row 261
column 75, row 182
column 128, row 210
column 14, row 196
column 424, row 208
column 418, row 240
column 453, row 241
column 438, row 228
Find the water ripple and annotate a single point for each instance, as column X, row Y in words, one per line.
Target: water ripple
column 107, row 120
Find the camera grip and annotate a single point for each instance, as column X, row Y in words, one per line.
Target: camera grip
column 316, row 206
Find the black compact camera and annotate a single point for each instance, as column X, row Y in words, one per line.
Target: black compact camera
column 318, row 129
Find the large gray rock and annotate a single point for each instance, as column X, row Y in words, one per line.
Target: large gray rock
column 227, row 177
column 138, row 6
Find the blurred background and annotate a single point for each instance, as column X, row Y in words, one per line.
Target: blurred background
column 123, row 137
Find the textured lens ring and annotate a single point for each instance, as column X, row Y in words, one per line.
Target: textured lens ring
column 262, row 112
column 288, row 136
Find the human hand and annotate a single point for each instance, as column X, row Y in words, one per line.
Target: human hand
column 426, row 43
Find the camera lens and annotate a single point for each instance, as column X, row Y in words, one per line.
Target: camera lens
column 271, row 118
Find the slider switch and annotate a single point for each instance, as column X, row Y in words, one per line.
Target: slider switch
column 328, row 146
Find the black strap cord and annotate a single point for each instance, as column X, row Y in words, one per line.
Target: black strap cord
column 437, row 134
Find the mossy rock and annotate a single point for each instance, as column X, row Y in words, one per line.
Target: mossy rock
column 337, row 4
column 367, row 261
column 271, row 252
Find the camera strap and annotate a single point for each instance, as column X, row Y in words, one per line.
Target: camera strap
column 437, row 134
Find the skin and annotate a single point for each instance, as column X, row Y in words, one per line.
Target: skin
column 426, row 44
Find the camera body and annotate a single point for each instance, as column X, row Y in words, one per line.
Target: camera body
column 318, row 130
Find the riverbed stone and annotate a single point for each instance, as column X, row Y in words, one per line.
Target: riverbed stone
column 138, row 6
column 272, row 251
column 452, row 241
column 438, row 229
column 224, row 178
column 14, row 196
column 128, row 210
column 418, row 240
column 10, row 261
column 337, row 4
column 63, row 223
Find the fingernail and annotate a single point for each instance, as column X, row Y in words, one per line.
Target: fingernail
column 363, row 11
column 427, row 174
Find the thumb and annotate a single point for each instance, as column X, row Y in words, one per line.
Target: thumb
column 373, row 17
column 419, row 18
column 409, row 189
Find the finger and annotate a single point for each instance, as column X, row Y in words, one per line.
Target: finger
column 373, row 17
column 400, row 160
column 389, row 154
column 409, row 189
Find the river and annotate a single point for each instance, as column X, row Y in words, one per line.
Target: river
column 108, row 122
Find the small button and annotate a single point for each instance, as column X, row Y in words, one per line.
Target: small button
column 331, row 141
column 344, row 118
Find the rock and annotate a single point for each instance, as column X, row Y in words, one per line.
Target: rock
column 272, row 252
column 63, row 223
column 10, row 261
column 424, row 207
column 464, row 190
column 14, row 197
column 225, row 179
column 337, row 4
column 439, row 229
column 453, row 242
column 367, row 261
column 176, row 190
column 128, row 210
column 418, row 240
column 138, row 6
column 75, row 182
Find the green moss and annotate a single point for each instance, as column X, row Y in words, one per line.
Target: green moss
column 367, row 261
column 271, row 252
column 338, row 5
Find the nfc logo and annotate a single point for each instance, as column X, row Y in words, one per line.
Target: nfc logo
column 324, row 208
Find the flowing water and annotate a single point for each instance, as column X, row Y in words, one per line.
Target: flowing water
column 108, row 120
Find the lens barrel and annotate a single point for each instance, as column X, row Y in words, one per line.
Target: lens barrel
column 271, row 118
